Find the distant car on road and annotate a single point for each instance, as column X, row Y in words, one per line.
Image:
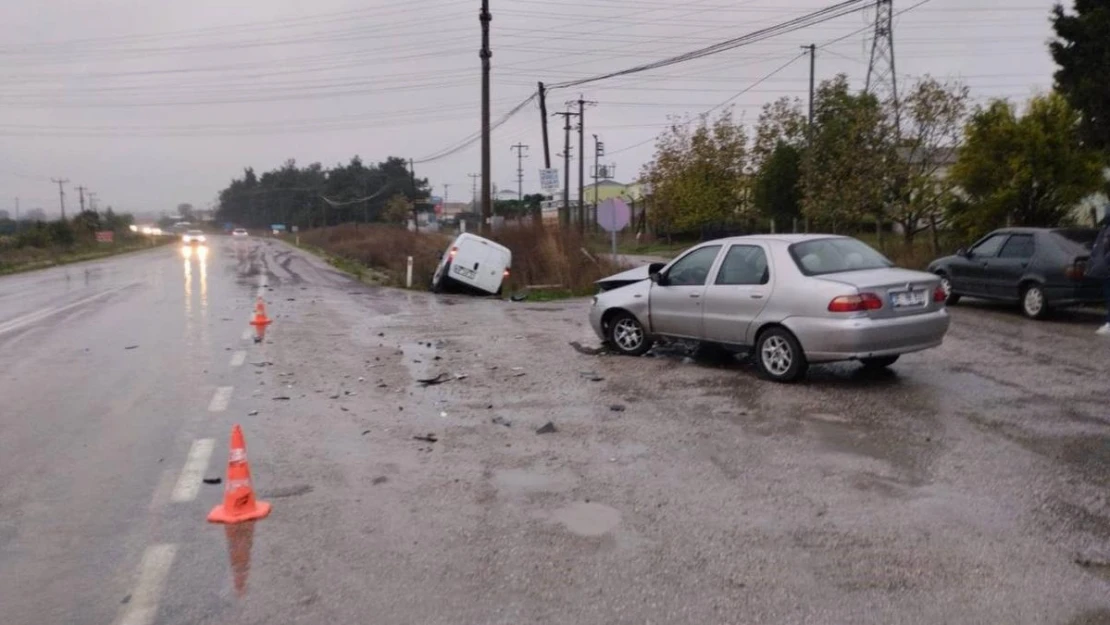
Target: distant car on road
column 193, row 237
column 473, row 263
column 1037, row 268
column 239, row 233
column 792, row 300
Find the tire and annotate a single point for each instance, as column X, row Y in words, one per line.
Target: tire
column 627, row 335
column 437, row 284
column 881, row 362
column 779, row 356
column 1034, row 304
column 950, row 298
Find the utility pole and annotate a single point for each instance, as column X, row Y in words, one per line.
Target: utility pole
column 61, row 194
column 543, row 122
column 520, row 156
column 487, row 200
column 565, row 217
column 812, row 76
column 599, row 151
column 17, row 215
column 474, row 178
column 92, row 201
column 582, row 162
column 81, row 194
column 446, row 188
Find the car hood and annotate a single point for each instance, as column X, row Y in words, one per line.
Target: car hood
column 872, row 278
column 624, row 278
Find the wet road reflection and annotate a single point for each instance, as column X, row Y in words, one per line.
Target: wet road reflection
column 240, row 539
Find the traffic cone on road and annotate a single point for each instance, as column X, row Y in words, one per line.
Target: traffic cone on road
column 260, row 318
column 239, row 503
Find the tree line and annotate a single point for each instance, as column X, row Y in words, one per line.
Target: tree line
column 927, row 161
column 315, row 196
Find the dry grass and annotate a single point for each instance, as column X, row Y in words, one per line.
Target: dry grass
column 383, row 248
column 544, row 256
column 555, row 257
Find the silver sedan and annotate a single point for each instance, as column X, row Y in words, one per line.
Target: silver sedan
column 792, row 300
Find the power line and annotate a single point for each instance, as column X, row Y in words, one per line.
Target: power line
column 811, row 19
column 471, row 139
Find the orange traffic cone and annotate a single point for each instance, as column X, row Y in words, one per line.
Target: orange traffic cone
column 260, row 318
column 239, row 503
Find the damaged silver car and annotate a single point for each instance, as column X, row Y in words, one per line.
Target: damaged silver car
column 791, row 300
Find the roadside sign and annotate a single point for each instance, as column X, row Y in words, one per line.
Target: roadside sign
column 613, row 215
column 105, row 236
column 277, row 227
column 296, row 228
column 549, row 180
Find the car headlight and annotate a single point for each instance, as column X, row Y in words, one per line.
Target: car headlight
column 201, row 239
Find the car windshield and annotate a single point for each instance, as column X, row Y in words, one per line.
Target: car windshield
column 194, row 232
column 825, row 256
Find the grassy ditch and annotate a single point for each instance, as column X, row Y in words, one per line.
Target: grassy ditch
column 15, row 259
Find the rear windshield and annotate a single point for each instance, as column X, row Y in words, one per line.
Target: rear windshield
column 1076, row 240
column 825, row 256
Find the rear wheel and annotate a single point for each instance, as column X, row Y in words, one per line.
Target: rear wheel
column 1033, row 302
column 779, row 356
column 950, row 298
column 628, row 336
column 881, row 362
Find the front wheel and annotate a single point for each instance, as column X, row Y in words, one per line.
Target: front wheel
column 881, row 362
column 779, row 356
column 628, row 336
column 1033, row 302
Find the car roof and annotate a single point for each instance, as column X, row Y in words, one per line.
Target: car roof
column 776, row 238
column 1036, row 230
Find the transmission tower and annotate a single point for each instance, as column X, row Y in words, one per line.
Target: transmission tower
column 882, row 79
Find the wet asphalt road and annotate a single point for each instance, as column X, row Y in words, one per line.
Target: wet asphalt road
column 969, row 485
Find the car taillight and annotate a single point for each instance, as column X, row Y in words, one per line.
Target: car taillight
column 1076, row 270
column 939, row 295
column 506, row 274
column 454, row 251
column 856, row 303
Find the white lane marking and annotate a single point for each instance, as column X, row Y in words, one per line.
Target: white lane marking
column 196, row 463
column 238, row 358
column 39, row 315
column 153, row 571
column 248, row 334
column 221, row 399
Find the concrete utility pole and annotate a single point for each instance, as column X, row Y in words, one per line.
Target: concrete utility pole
column 599, row 150
column 566, row 166
column 81, row 194
column 543, row 122
column 487, row 199
column 415, row 210
column 61, row 194
column 520, row 156
column 812, row 48
column 17, row 214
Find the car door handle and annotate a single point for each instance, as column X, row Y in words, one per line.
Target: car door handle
column 695, row 295
column 756, row 296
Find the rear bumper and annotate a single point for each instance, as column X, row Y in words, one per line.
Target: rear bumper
column 1090, row 292
column 855, row 338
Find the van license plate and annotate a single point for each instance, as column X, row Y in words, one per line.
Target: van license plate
column 908, row 299
column 463, row 271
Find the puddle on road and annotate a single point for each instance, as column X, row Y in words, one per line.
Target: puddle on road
column 587, row 519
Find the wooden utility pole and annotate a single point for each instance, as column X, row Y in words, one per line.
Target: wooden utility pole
column 61, row 194
column 487, row 199
column 543, row 122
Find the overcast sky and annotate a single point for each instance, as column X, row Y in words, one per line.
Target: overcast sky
column 155, row 103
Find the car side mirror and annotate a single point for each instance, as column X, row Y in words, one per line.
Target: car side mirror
column 964, row 252
column 659, row 278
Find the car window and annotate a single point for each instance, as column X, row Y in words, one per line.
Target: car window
column 693, row 269
column 990, row 246
column 825, row 256
column 1019, row 246
column 1076, row 240
column 744, row 264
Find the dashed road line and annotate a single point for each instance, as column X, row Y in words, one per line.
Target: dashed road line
column 238, row 358
column 188, row 485
column 220, row 399
column 153, row 570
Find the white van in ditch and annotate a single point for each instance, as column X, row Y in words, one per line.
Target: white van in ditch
column 473, row 262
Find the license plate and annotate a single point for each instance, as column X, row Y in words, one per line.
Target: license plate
column 463, row 271
column 908, row 299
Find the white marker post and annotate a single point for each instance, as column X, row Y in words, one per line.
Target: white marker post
column 408, row 274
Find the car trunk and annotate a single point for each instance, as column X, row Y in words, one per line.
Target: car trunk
column 903, row 292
